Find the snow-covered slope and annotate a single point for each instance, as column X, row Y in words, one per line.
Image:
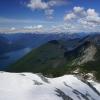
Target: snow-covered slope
column 27, row 86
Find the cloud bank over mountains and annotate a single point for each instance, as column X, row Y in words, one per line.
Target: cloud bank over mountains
column 79, row 19
column 83, row 16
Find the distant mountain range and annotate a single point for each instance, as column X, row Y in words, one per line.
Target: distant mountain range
column 58, row 57
column 15, row 46
column 66, row 67
column 13, row 42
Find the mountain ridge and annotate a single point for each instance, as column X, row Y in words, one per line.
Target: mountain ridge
column 54, row 58
column 28, row 86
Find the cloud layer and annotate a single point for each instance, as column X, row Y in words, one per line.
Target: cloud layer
column 78, row 19
column 79, row 14
column 46, row 6
column 84, row 18
column 37, row 4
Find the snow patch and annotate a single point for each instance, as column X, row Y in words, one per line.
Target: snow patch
column 28, row 86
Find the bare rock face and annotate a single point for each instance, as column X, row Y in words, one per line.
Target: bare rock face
column 88, row 55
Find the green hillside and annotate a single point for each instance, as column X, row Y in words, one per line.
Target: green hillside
column 48, row 59
column 53, row 58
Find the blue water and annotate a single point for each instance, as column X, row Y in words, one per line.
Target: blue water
column 12, row 57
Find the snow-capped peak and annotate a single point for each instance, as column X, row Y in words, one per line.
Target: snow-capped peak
column 28, row 86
